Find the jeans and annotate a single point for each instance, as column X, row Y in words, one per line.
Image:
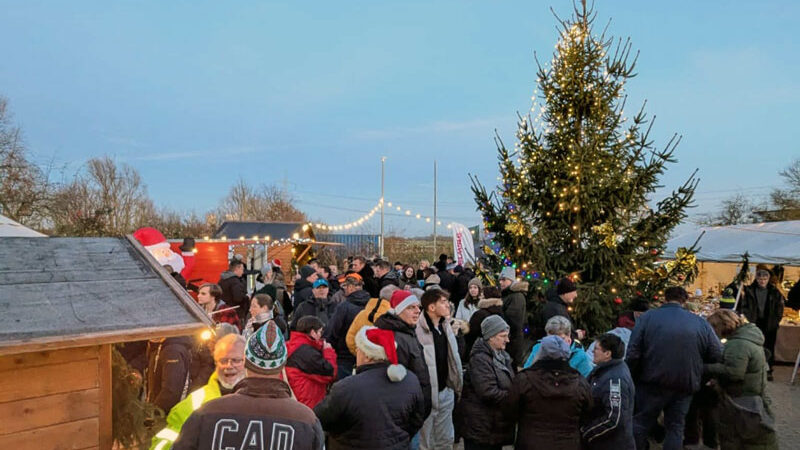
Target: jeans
column 650, row 401
column 437, row 432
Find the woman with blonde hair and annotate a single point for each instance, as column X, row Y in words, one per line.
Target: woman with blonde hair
column 744, row 412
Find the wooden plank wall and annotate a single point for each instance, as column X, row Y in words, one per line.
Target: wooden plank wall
column 58, row 399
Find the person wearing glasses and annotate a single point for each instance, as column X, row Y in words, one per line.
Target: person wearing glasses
column 229, row 363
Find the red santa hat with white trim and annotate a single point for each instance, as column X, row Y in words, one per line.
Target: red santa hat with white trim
column 156, row 244
column 401, row 300
column 379, row 345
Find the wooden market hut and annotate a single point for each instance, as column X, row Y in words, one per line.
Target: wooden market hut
column 63, row 303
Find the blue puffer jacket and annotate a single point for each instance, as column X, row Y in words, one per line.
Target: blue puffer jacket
column 578, row 358
column 611, row 423
column 669, row 346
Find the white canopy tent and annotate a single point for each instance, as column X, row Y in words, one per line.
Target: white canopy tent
column 771, row 243
column 10, row 228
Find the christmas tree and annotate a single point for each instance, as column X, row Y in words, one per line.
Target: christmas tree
column 576, row 190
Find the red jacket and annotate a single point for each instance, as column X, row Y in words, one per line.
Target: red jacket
column 310, row 369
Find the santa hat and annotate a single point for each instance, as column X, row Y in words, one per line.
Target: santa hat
column 150, row 237
column 379, row 345
column 401, row 300
column 276, row 263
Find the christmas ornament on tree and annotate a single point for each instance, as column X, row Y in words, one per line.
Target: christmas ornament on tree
column 580, row 176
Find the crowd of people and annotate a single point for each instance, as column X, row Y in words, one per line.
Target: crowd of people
column 392, row 356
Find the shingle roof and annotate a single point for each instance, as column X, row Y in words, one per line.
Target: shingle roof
column 67, row 292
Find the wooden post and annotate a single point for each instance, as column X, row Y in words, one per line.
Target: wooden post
column 105, row 398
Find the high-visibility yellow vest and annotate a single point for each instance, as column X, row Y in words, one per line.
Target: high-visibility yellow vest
column 179, row 413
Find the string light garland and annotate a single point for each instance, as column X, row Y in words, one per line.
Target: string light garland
column 390, row 206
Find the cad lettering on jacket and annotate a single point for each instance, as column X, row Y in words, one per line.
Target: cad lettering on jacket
column 225, row 433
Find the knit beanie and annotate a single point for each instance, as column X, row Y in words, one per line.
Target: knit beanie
column 565, row 286
column 475, row 282
column 306, row 271
column 266, row 350
column 401, row 300
column 493, row 325
column 553, row 347
column 508, row 273
column 379, row 345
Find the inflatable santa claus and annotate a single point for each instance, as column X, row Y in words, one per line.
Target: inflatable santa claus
column 155, row 243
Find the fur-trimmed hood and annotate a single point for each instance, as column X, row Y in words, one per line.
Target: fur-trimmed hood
column 519, row 286
column 489, row 302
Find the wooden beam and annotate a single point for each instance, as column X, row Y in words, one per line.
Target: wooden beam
column 32, row 413
column 80, row 434
column 108, row 337
column 106, row 438
column 35, row 359
column 48, row 380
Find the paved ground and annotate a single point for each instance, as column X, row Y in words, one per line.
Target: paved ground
column 786, row 406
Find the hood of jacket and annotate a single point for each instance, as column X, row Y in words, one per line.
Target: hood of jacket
column 227, row 274
column 185, row 341
column 390, row 275
column 359, row 297
column 296, row 339
column 519, row 286
column 748, row 332
column 489, row 302
column 391, row 322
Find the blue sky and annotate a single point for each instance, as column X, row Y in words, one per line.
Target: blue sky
column 195, row 95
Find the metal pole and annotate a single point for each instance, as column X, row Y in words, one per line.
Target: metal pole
column 383, row 164
column 434, row 210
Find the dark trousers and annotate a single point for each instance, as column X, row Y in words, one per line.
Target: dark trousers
column 650, row 402
column 472, row 445
column 702, row 417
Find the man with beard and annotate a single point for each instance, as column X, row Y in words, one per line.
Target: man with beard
column 229, row 363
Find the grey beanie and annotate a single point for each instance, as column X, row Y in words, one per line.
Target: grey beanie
column 508, row 273
column 553, row 347
column 493, row 325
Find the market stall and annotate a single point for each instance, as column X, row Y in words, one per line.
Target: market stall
column 719, row 260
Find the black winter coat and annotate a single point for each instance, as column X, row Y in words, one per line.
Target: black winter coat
column 390, row 279
column 369, row 411
column 446, row 281
column 486, row 385
column 773, row 308
column 168, row 371
column 339, row 324
column 653, row 355
column 302, row 292
column 234, row 293
column 548, row 401
column 461, row 285
column 515, row 316
column 319, row 307
column 486, row 308
column 409, row 353
column 370, row 283
column 610, row 425
column 554, row 306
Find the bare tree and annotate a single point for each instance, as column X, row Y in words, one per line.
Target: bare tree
column 267, row 203
column 24, row 187
column 106, row 199
column 786, row 202
column 735, row 210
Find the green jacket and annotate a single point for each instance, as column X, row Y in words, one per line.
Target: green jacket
column 179, row 413
column 743, row 370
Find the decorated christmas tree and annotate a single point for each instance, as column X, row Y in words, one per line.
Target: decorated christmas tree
column 576, row 192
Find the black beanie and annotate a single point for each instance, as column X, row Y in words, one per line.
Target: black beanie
column 565, row 286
